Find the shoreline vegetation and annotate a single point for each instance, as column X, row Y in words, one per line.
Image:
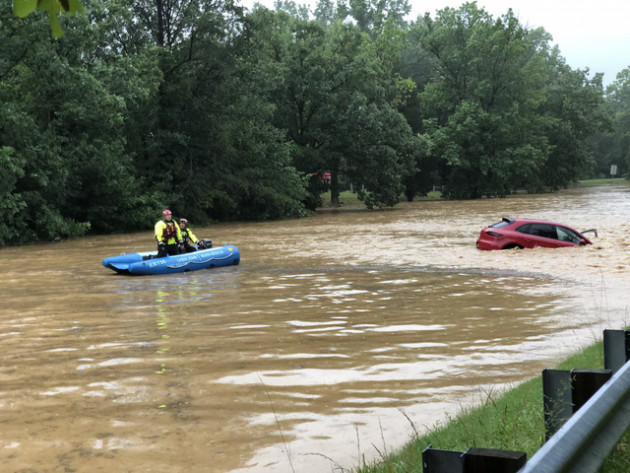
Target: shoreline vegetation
column 511, row 420
column 349, row 200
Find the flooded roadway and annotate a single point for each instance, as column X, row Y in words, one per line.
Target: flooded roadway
column 335, row 338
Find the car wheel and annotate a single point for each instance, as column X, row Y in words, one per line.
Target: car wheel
column 511, row 246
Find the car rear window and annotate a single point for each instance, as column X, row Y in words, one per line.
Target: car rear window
column 500, row 224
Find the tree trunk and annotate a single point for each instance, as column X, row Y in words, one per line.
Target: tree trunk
column 160, row 22
column 334, row 183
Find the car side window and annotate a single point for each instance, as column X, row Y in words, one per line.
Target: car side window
column 540, row 229
column 548, row 231
column 565, row 234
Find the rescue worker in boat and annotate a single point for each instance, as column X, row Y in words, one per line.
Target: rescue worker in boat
column 189, row 236
column 168, row 235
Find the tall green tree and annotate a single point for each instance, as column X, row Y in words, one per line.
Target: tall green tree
column 72, row 171
column 31, row 150
column 330, row 88
column 618, row 99
column 236, row 163
column 328, row 12
column 371, row 16
column 480, row 111
column 574, row 113
column 211, row 146
column 612, row 147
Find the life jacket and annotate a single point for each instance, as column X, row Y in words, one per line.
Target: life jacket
column 185, row 234
column 169, row 231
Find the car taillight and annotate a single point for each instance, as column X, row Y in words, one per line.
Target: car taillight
column 494, row 234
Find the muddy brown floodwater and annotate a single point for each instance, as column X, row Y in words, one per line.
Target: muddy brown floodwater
column 332, row 337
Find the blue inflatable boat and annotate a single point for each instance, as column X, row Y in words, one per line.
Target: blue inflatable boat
column 145, row 263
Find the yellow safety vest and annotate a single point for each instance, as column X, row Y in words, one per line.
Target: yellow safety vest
column 168, row 233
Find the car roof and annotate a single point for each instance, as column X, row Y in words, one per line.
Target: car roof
column 521, row 220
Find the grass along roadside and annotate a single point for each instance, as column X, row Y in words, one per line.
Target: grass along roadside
column 603, row 182
column 511, row 421
column 349, row 200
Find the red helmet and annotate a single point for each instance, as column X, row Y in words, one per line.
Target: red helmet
column 166, row 212
column 183, row 220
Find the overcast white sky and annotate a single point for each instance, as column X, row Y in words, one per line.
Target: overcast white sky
column 593, row 34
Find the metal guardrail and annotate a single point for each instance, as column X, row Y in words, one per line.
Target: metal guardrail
column 585, row 441
column 565, row 392
column 587, row 411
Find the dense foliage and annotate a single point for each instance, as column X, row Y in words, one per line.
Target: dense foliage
column 612, row 147
column 221, row 113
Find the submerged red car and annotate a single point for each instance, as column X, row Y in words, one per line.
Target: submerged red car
column 526, row 233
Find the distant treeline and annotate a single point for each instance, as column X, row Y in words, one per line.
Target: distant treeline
column 221, row 113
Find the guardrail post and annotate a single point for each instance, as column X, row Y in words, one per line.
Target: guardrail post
column 487, row 460
column 442, row 461
column 473, row 460
column 616, row 349
column 557, row 400
column 564, row 392
column 586, row 383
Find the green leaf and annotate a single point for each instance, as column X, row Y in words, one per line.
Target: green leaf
column 75, row 6
column 53, row 8
column 55, row 27
column 23, row 8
